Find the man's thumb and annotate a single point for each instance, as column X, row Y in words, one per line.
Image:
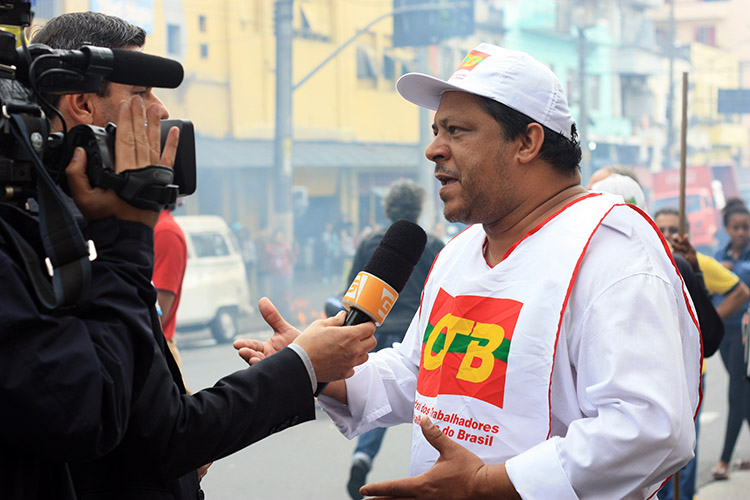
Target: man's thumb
column 434, row 435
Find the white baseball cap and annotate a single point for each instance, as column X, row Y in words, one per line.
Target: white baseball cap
column 624, row 186
column 509, row 77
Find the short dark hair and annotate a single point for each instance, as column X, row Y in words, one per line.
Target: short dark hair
column 565, row 154
column 672, row 211
column 403, row 200
column 733, row 206
column 72, row 31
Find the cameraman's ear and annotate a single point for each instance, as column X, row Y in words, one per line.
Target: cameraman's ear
column 77, row 109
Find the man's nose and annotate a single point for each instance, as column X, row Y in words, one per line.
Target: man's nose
column 437, row 150
column 163, row 112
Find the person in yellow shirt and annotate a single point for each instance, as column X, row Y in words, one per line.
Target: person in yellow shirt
column 718, row 280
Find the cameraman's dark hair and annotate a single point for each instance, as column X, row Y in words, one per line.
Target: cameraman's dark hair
column 403, row 200
column 72, row 31
column 565, row 154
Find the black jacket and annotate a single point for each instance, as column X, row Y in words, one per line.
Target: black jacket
column 92, row 399
column 711, row 325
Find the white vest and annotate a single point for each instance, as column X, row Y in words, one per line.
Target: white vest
column 490, row 335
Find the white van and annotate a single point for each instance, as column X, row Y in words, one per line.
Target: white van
column 215, row 293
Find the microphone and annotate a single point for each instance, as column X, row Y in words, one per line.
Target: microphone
column 133, row 67
column 72, row 71
column 375, row 289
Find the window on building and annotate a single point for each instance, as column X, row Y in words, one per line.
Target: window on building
column 313, row 23
column 366, row 67
column 706, row 35
column 389, row 67
column 595, row 88
column 174, row 39
column 571, row 82
column 202, row 24
column 204, row 51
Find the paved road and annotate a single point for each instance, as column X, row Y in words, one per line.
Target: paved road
column 310, row 461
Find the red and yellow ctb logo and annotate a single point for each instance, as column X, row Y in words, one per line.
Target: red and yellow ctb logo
column 466, row 345
column 472, row 59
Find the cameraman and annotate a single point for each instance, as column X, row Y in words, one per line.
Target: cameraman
column 93, row 402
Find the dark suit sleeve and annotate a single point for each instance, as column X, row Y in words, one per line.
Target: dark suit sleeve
column 183, row 432
column 66, row 376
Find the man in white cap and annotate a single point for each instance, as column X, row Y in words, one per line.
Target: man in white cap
column 555, row 354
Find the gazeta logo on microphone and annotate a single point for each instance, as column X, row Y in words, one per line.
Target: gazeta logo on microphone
column 465, row 347
column 372, row 295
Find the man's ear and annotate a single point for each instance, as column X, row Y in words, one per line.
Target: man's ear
column 531, row 143
column 77, row 108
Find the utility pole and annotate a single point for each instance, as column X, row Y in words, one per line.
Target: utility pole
column 583, row 114
column 584, row 17
column 667, row 162
column 282, row 148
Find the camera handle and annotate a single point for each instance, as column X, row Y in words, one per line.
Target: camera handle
column 68, row 253
column 148, row 188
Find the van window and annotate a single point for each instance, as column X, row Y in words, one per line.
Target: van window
column 209, row 245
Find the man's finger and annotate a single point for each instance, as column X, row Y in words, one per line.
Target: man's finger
column 249, row 354
column 170, row 147
column 435, row 436
column 124, row 140
column 153, row 131
column 142, row 149
column 76, row 172
column 271, row 315
column 399, row 488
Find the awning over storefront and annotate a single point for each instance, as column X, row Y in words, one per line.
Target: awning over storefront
column 254, row 153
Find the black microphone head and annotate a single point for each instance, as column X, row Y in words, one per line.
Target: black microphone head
column 133, row 67
column 399, row 251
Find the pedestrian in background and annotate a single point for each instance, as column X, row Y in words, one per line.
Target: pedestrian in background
column 402, row 201
column 736, row 257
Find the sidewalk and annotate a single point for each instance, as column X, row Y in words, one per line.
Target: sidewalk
column 737, row 487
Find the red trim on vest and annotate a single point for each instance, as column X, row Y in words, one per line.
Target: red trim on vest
column 570, row 287
column 541, row 225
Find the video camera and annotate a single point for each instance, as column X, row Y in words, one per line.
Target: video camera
column 28, row 73
column 32, row 159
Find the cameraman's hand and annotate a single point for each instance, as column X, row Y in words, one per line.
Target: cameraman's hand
column 136, row 145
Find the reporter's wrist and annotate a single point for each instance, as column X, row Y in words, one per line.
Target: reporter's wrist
column 308, row 365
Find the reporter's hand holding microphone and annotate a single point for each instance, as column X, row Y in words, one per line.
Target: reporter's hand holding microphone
column 336, row 345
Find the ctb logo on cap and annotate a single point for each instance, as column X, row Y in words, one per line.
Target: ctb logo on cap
column 472, row 59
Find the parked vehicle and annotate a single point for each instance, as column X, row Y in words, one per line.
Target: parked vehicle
column 706, row 191
column 215, row 293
